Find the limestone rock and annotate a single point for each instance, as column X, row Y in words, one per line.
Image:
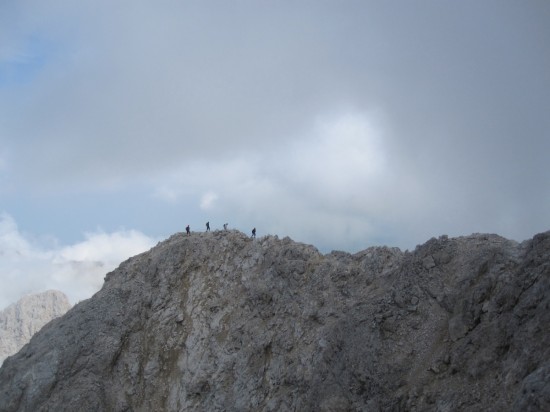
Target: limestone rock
column 21, row 320
column 221, row 322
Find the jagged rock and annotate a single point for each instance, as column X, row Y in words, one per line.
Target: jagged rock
column 221, row 322
column 21, row 320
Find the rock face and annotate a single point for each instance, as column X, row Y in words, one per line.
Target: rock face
column 221, row 322
column 18, row 322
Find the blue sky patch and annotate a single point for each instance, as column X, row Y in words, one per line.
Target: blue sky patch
column 28, row 62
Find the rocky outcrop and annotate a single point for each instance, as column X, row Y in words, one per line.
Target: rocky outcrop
column 221, row 322
column 21, row 320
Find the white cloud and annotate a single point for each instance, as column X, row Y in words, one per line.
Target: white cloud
column 12, row 244
column 341, row 159
column 109, row 247
column 208, row 200
column 77, row 270
column 323, row 187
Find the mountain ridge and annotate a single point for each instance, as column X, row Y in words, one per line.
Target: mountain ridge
column 218, row 321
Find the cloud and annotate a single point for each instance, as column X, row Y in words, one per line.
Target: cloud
column 30, row 266
column 327, row 186
column 342, row 184
column 339, row 158
column 339, row 124
column 208, row 200
column 12, row 244
column 159, row 86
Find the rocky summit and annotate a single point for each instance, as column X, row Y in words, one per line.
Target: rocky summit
column 221, row 322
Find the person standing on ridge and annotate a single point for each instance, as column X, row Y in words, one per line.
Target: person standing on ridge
column 225, row 226
column 188, row 230
column 254, row 233
column 208, row 226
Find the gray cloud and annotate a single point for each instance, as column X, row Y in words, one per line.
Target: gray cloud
column 223, row 105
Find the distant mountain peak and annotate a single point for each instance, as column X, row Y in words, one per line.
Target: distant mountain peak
column 21, row 320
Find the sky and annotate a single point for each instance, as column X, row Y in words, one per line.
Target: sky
column 343, row 124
